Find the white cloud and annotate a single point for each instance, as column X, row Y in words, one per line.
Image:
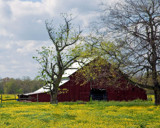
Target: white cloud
column 21, row 8
column 16, row 58
column 22, row 30
column 5, row 11
column 30, row 46
column 5, row 34
column 25, row 19
column 3, row 68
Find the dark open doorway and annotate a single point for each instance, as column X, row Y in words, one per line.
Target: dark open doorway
column 98, row 94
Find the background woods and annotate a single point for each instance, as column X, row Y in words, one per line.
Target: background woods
column 17, row 86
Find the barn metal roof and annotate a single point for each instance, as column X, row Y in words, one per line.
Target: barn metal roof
column 45, row 89
column 65, row 78
column 72, row 69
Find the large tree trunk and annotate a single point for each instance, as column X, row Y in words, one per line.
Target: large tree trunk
column 53, row 97
column 157, row 95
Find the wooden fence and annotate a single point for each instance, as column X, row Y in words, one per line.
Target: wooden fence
column 7, row 99
column 3, row 98
column 18, row 99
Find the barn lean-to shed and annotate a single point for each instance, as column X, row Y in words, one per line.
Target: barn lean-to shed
column 72, row 89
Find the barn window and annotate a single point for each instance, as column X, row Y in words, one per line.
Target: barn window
column 98, row 94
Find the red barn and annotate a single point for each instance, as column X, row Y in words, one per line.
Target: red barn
column 102, row 88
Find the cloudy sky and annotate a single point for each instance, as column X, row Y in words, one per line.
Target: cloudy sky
column 22, row 30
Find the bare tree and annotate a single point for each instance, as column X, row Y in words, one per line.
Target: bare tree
column 137, row 27
column 57, row 59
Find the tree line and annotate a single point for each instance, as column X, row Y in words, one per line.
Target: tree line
column 19, row 86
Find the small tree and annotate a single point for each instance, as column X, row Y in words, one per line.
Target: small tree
column 57, row 59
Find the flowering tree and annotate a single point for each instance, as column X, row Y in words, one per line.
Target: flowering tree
column 58, row 58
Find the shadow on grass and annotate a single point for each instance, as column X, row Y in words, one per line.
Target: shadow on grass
column 1, row 105
column 112, row 103
column 122, row 103
column 90, row 103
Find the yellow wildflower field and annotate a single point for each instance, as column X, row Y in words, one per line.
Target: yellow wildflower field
column 133, row 114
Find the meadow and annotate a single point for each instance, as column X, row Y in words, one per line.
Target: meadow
column 94, row 114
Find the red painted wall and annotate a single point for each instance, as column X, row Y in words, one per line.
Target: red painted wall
column 82, row 93
column 74, row 92
column 42, row 97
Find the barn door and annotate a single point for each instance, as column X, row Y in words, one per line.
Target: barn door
column 98, row 94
